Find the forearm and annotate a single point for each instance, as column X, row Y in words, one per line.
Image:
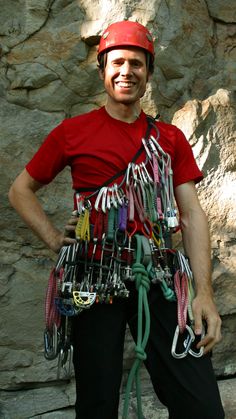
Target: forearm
column 26, row 203
column 196, row 242
column 197, row 247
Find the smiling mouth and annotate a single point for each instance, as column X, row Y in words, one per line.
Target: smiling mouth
column 125, row 84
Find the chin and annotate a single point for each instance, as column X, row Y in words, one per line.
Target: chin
column 126, row 100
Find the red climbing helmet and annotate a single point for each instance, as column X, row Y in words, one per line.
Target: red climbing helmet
column 124, row 33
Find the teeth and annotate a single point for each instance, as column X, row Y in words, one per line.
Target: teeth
column 125, row 84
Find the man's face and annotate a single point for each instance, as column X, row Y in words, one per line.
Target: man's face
column 125, row 75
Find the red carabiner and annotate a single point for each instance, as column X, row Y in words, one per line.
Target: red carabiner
column 131, row 228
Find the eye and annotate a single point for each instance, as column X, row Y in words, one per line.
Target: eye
column 136, row 64
column 117, row 63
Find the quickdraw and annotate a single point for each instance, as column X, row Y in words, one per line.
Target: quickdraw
column 184, row 336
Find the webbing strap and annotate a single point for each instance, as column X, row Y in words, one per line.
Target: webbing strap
column 52, row 316
column 181, row 290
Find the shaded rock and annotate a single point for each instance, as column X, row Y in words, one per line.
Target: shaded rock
column 222, row 11
column 30, row 76
column 57, row 402
column 35, row 402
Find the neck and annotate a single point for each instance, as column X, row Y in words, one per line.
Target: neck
column 124, row 112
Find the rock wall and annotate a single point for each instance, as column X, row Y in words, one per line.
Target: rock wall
column 48, row 72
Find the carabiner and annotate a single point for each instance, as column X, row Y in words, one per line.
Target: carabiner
column 51, row 343
column 120, row 238
column 131, row 228
column 65, row 356
column 187, row 344
column 147, row 228
column 200, row 352
column 101, row 196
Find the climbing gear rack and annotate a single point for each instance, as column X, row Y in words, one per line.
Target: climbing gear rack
column 130, row 240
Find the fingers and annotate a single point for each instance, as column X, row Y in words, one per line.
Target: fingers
column 198, row 326
column 70, row 229
column 60, row 239
column 213, row 335
column 67, row 241
column 204, row 310
column 73, row 220
column 71, row 223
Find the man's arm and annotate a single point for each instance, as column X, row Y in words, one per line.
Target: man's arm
column 22, row 196
column 196, row 242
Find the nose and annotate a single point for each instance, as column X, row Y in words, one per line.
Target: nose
column 125, row 69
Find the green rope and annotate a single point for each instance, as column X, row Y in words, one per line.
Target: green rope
column 142, row 283
column 168, row 293
column 143, row 276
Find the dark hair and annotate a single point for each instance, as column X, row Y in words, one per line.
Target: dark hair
column 102, row 61
column 149, row 61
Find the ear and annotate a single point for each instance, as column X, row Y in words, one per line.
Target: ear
column 148, row 76
column 101, row 74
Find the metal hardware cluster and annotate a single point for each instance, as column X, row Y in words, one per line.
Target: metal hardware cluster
column 96, row 268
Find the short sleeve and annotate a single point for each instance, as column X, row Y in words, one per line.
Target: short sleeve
column 185, row 168
column 50, row 158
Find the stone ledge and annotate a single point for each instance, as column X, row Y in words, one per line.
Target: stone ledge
column 29, row 404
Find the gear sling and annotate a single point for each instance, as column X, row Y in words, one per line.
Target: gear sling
column 130, row 241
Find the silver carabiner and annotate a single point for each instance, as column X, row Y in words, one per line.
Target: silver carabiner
column 66, row 350
column 65, row 356
column 188, row 342
column 200, row 352
column 51, row 343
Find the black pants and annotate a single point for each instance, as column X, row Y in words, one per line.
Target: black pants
column 186, row 386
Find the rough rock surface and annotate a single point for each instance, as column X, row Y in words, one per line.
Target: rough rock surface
column 48, row 72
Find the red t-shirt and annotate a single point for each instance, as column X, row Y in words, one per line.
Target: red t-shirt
column 97, row 146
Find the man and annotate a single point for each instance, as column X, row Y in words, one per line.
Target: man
column 97, row 146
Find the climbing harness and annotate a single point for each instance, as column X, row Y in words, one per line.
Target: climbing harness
column 130, row 240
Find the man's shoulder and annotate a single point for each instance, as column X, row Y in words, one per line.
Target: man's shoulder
column 166, row 127
column 170, row 132
column 163, row 126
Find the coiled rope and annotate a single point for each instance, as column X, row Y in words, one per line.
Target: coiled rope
column 142, row 283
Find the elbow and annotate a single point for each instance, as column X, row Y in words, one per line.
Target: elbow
column 22, row 187
column 16, row 191
column 12, row 195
